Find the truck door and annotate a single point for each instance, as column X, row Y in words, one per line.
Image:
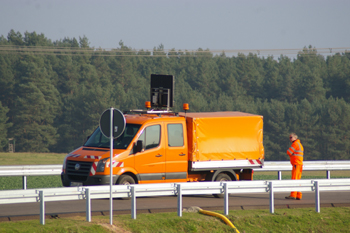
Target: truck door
column 176, row 161
column 150, row 162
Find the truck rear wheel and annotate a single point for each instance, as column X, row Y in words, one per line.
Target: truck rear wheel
column 222, row 177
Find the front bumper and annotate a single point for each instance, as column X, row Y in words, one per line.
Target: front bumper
column 90, row 180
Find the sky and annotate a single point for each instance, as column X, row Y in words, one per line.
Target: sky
column 224, row 25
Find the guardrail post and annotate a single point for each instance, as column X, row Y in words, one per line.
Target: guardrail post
column 225, row 199
column 88, row 205
column 42, row 207
column 328, row 174
column 133, row 203
column 179, row 200
column 279, row 174
column 317, row 196
column 24, row 182
column 272, row 198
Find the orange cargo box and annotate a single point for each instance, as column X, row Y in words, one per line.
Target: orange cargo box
column 220, row 136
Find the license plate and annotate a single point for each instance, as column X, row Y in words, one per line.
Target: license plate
column 76, row 184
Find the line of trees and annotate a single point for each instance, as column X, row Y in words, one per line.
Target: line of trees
column 51, row 101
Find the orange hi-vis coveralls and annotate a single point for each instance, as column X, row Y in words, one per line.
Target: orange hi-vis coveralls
column 296, row 154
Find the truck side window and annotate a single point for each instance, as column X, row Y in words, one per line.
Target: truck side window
column 150, row 136
column 175, row 135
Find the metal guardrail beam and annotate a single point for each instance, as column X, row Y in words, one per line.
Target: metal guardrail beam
column 308, row 166
column 168, row 189
column 328, row 166
column 133, row 191
column 31, row 170
column 41, row 170
column 279, row 166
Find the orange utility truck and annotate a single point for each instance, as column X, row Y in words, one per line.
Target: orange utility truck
column 159, row 146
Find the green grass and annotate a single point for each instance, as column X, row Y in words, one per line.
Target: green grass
column 15, row 182
column 33, row 182
column 51, row 225
column 30, row 158
column 283, row 220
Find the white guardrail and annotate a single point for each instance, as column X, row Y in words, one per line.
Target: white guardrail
column 145, row 190
column 179, row 189
column 278, row 166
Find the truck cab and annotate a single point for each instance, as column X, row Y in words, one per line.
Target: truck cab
column 152, row 149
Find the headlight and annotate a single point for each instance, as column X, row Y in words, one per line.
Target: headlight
column 101, row 165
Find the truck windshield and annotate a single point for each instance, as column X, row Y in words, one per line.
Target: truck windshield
column 97, row 139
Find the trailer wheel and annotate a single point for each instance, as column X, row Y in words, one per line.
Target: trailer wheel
column 125, row 180
column 222, row 177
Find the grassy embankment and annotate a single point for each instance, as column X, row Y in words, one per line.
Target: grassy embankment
column 283, row 220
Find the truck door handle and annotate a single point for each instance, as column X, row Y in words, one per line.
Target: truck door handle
column 159, row 155
column 182, row 154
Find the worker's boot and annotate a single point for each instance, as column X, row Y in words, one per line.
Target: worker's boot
column 299, row 196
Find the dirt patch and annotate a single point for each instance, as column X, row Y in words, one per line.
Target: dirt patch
column 114, row 228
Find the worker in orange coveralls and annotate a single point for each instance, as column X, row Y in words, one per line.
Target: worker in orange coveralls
column 296, row 154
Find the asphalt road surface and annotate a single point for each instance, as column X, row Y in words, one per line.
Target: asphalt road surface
column 13, row 212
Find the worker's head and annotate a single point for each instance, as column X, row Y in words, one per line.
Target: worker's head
column 293, row 137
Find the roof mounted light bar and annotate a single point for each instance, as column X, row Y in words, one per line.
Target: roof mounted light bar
column 153, row 111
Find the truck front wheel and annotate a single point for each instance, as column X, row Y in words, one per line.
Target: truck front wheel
column 125, row 180
column 221, row 177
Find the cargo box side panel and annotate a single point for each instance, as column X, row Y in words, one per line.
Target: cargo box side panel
column 227, row 138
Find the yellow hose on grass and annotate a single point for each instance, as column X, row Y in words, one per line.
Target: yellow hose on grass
column 228, row 222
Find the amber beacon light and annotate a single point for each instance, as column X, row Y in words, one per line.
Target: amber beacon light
column 185, row 107
column 148, row 104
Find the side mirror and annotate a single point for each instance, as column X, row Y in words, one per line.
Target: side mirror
column 139, row 146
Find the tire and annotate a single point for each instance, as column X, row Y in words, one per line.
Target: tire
column 221, row 177
column 125, row 180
